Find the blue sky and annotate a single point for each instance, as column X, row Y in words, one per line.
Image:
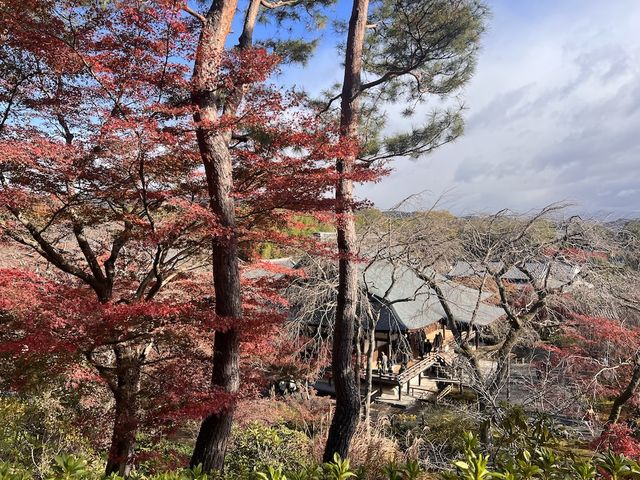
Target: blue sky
column 553, row 113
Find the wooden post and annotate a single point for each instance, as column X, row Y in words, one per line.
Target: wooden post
column 509, row 378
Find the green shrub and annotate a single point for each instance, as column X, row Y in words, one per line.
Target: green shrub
column 68, row 467
column 340, row 469
column 524, row 453
column 437, row 426
column 34, row 431
column 258, row 447
column 12, row 472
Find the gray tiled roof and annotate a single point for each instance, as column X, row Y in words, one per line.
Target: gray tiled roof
column 561, row 273
column 412, row 305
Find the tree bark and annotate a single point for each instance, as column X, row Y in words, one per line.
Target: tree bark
column 246, row 38
column 485, row 429
column 502, row 358
column 347, row 412
column 627, row 393
column 211, row 444
column 212, row 441
column 125, row 426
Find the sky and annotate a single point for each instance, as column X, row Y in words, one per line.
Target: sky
column 552, row 114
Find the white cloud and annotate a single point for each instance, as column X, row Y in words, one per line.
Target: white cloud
column 554, row 114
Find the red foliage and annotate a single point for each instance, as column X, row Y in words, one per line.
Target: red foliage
column 597, row 354
column 576, row 254
column 618, row 438
column 100, row 177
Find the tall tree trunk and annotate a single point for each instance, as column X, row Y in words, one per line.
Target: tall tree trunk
column 246, row 38
column 627, row 393
column 347, row 412
column 215, row 430
column 125, row 426
column 213, row 437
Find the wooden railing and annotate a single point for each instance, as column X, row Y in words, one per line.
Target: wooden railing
column 414, row 370
column 444, row 392
column 418, row 367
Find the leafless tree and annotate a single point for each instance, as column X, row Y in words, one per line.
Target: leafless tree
column 534, row 268
column 537, row 247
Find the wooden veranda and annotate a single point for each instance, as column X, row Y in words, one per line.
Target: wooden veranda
column 414, row 370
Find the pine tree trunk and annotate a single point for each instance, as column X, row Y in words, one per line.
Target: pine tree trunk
column 215, row 430
column 347, row 412
column 213, row 437
column 125, row 426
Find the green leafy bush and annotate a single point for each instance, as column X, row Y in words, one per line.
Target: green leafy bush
column 258, row 447
column 67, row 467
column 538, row 462
column 12, row 472
column 340, row 469
column 34, row 431
column 434, row 432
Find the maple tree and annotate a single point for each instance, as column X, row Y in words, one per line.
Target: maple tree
column 99, row 181
column 617, row 438
column 101, row 178
column 601, row 359
column 598, row 345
